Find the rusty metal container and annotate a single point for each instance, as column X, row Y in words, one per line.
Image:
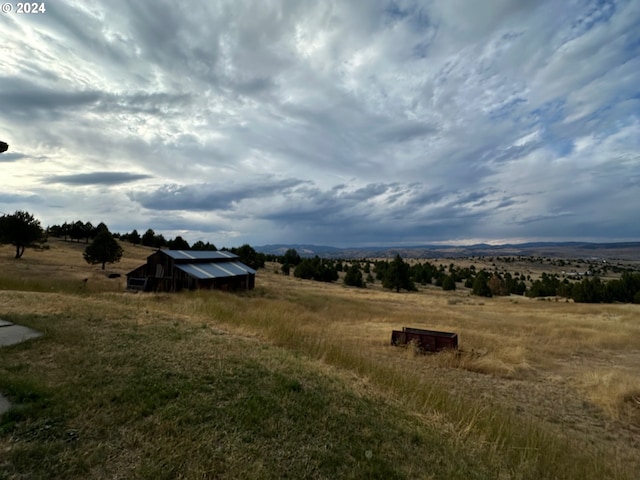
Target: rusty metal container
column 425, row 340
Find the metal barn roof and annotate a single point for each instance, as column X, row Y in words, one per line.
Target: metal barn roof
column 203, row 271
column 199, row 254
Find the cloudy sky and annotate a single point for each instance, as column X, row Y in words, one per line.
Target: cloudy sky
column 341, row 123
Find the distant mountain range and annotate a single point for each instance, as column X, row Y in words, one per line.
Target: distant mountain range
column 622, row 250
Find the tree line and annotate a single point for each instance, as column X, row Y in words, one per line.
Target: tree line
column 22, row 230
column 84, row 230
column 626, row 289
column 399, row 275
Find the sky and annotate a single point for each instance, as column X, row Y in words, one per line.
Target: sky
column 344, row 123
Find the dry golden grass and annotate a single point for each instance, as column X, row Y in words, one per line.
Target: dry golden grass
column 62, row 267
column 616, row 390
column 566, row 359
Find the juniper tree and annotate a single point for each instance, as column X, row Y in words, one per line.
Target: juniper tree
column 353, row 276
column 20, row 229
column 104, row 249
column 397, row 276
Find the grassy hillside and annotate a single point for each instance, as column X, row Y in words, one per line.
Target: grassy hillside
column 296, row 379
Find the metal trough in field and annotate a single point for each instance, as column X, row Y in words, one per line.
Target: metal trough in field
column 425, row 340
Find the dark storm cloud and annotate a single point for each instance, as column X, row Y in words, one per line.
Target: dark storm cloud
column 12, row 157
column 208, row 196
column 96, row 178
column 159, row 103
column 20, row 98
column 402, row 132
column 382, row 207
column 19, row 199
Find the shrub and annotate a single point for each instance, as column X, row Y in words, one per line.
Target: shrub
column 354, row 276
column 448, row 283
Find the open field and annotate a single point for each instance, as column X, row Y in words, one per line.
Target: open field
column 297, row 379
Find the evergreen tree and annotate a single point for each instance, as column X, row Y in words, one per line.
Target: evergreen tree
column 353, row 276
column 625, row 289
column 480, row 285
column 328, row 273
column 104, row 249
column 316, row 269
column 291, row 257
column 397, row 276
column 65, row 230
column 20, row 229
column 54, row 231
column 159, row 241
column 102, row 227
column 423, row 273
column 249, row 256
column 134, row 237
column 89, row 232
column 178, row 243
column 588, row 291
column 448, row 283
column 304, row 270
column 76, row 232
column 200, row 245
column 545, row 286
column 381, row 267
column 147, row 238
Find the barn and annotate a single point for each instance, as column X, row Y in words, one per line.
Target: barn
column 174, row 270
